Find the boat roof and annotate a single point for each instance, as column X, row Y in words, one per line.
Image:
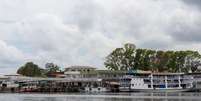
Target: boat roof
column 3, row 77
column 154, row 73
column 80, row 67
column 167, row 73
column 195, row 73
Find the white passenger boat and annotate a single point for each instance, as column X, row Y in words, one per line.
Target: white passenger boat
column 9, row 84
column 157, row 82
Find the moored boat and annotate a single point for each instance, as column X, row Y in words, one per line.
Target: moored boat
column 157, row 82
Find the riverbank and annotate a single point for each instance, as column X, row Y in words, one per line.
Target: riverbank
column 130, row 82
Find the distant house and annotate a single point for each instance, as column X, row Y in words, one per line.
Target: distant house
column 91, row 72
column 3, row 78
column 80, row 68
column 104, row 74
column 13, row 76
column 76, row 71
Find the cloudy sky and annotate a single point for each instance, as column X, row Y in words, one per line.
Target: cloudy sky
column 83, row 32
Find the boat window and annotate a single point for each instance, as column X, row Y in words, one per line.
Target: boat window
column 133, row 85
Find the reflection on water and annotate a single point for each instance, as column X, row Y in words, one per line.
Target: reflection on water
column 103, row 97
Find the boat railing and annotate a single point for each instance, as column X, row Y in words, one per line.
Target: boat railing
column 172, row 81
column 186, row 78
column 183, row 82
column 158, row 78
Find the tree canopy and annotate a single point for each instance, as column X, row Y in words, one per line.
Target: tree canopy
column 51, row 68
column 121, row 58
column 30, row 69
column 130, row 58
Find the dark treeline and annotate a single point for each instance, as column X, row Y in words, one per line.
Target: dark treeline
column 130, row 58
column 32, row 70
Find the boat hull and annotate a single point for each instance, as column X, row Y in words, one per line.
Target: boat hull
column 125, row 89
column 161, row 90
column 96, row 89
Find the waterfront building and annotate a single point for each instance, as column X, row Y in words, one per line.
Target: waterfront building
column 75, row 71
column 109, row 79
column 106, row 80
column 90, row 79
column 92, row 72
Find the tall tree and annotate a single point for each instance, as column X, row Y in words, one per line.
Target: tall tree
column 130, row 58
column 30, row 69
column 192, row 61
column 51, row 68
column 149, row 60
column 171, row 64
column 138, row 58
column 121, row 58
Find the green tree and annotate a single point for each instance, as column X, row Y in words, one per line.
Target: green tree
column 30, row 69
column 121, row 58
column 192, row 61
column 138, row 58
column 171, row 64
column 143, row 58
column 161, row 61
column 149, row 60
column 130, row 58
column 51, row 68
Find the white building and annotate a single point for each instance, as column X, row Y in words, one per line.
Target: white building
column 75, row 71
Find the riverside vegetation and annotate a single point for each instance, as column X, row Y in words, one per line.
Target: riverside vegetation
column 129, row 58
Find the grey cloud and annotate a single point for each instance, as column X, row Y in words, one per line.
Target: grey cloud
column 84, row 32
column 185, row 34
column 159, row 44
column 186, row 28
column 196, row 3
column 86, row 14
column 10, row 55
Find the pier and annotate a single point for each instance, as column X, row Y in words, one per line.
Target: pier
column 74, row 79
column 80, row 79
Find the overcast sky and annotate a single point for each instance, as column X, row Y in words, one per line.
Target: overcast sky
column 84, row 32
